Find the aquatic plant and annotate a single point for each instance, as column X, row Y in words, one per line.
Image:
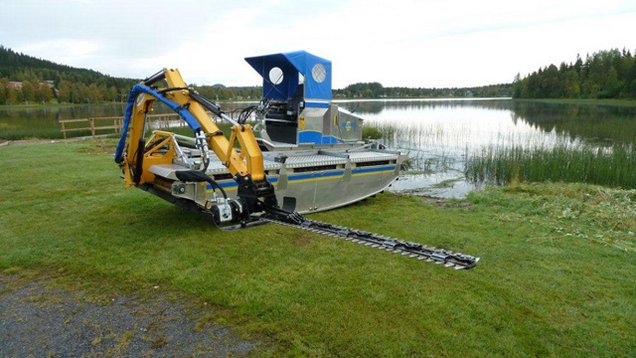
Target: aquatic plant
column 612, row 166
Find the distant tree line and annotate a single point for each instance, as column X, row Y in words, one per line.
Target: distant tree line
column 27, row 79
column 376, row 90
column 604, row 74
column 222, row 93
column 37, row 80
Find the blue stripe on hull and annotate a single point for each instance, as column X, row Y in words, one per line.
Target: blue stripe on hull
column 318, row 175
column 316, row 138
column 316, row 105
column 233, row 184
column 372, row 169
column 337, row 173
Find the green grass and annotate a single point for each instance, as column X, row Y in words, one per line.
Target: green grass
column 582, row 101
column 614, row 166
column 371, row 132
column 556, row 276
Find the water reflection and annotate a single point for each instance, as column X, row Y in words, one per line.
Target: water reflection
column 438, row 134
column 43, row 122
column 377, row 106
column 602, row 125
column 592, row 123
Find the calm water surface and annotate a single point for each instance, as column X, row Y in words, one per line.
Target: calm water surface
column 437, row 134
column 43, row 122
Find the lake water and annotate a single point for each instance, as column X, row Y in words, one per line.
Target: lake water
column 43, row 122
column 438, row 134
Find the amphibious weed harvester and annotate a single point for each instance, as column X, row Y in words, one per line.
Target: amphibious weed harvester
column 310, row 155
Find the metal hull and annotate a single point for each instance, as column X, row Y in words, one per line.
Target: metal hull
column 325, row 190
column 305, row 180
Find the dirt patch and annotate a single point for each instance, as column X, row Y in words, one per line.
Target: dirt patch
column 38, row 319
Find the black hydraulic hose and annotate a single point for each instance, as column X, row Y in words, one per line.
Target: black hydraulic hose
column 214, row 183
column 245, row 114
column 155, row 78
column 206, row 164
column 197, row 176
column 206, row 103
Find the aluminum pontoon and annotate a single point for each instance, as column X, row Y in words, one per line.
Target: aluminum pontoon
column 313, row 152
column 310, row 155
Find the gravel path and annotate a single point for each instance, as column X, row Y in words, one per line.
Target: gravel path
column 39, row 320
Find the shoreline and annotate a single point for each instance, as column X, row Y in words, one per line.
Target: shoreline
column 581, row 101
column 570, row 101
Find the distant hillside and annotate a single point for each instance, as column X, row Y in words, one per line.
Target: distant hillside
column 20, row 67
column 604, row 74
column 27, row 79
column 376, row 90
column 24, row 78
column 221, row 93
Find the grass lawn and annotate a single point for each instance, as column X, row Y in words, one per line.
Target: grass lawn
column 557, row 275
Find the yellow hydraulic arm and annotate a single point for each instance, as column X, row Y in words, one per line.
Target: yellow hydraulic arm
column 254, row 193
column 248, row 162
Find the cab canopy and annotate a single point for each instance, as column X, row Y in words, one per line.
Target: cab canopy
column 281, row 73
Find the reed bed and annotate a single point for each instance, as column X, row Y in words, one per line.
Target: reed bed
column 613, row 166
column 506, row 157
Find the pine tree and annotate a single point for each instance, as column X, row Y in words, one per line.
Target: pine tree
column 3, row 91
column 604, row 74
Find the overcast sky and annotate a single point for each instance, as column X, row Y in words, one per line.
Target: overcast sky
column 426, row 43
